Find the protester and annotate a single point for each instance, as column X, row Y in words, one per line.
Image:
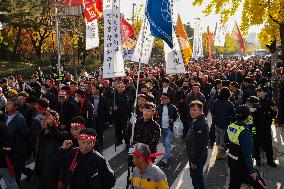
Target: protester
column 197, row 143
column 121, row 112
column 223, row 113
column 99, row 103
column 146, row 130
column 17, row 127
column 48, row 141
column 146, row 174
column 167, row 115
column 86, row 108
column 6, row 166
column 84, row 167
column 101, row 110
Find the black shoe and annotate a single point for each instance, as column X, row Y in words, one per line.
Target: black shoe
column 258, row 162
column 271, row 164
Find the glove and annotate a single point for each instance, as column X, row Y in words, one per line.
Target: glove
column 133, row 119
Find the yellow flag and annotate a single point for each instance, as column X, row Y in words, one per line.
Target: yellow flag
column 183, row 41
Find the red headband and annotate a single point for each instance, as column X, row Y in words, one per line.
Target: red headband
column 40, row 107
column 149, row 158
column 87, row 137
column 77, row 125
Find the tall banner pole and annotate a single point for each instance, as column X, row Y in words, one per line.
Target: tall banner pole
column 133, row 116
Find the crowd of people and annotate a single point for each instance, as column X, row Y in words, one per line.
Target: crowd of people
column 60, row 124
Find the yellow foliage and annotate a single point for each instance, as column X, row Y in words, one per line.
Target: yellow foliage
column 254, row 12
column 269, row 32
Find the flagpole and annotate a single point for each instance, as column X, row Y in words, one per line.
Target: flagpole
column 138, row 77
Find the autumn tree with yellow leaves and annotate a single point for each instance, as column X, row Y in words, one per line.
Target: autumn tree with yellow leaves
column 254, row 12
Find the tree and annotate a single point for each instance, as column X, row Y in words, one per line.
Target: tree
column 190, row 32
column 31, row 18
column 254, row 12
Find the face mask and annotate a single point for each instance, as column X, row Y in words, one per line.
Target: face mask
column 43, row 91
column 252, row 109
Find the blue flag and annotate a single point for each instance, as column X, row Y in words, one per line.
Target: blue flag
column 159, row 14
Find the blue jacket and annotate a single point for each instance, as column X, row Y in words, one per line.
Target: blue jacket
column 223, row 113
column 18, row 130
column 173, row 114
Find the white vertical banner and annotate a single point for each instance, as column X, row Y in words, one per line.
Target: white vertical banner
column 173, row 57
column 113, row 65
column 148, row 40
column 92, row 34
column 220, row 35
column 197, row 40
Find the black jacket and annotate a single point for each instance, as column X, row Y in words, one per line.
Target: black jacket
column 223, row 113
column 66, row 111
column 5, row 142
column 103, row 111
column 147, row 133
column 263, row 116
column 92, row 171
column 45, row 157
column 87, row 111
column 123, row 105
column 197, row 141
column 18, row 130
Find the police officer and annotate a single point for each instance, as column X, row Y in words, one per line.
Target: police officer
column 263, row 120
column 240, row 151
column 253, row 104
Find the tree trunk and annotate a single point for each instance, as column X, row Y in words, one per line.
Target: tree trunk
column 282, row 40
column 14, row 53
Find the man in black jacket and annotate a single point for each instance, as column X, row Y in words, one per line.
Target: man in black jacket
column 197, row 144
column 17, row 127
column 48, row 141
column 100, row 112
column 65, row 110
column 121, row 111
column 86, row 108
column 6, row 169
column 84, row 168
column 146, row 130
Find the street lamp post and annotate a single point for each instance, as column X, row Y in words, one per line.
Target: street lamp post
column 65, row 11
column 133, row 14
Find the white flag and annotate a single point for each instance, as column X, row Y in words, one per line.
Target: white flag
column 146, row 40
column 220, row 36
column 173, row 57
column 92, row 35
column 197, row 40
column 113, row 65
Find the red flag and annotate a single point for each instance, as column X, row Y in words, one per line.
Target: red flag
column 238, row 35
column 93, row 10
column 128, row 36
column 73, row 2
